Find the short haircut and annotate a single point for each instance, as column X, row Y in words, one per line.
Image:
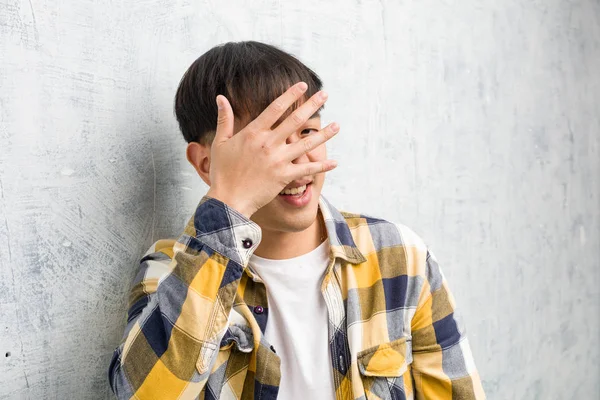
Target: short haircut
column 250, row 74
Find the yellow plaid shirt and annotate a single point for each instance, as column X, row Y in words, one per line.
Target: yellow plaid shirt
column 197, row 316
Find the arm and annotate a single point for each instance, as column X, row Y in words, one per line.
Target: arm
column 178, row 311
column 443, row 366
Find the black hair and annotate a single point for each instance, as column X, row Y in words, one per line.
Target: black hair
column 250, row 74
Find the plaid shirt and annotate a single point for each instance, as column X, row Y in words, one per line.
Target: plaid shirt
column 197, row 316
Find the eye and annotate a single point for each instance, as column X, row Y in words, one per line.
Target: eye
column 308, row 130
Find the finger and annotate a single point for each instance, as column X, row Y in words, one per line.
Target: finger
column 271, row 114
column 312, row 168
column 310, row 142
column 296, row 119
column 224, row 120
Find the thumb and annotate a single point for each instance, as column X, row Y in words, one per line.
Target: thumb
column 224, row 119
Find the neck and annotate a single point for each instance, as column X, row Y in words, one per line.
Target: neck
column 277, row 245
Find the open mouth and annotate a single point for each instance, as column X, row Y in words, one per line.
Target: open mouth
column 297, row 197
column 298, row 191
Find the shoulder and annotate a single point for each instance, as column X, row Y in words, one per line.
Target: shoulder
column 156, row 261
column 160, row 249
column 390, row 241
column 385, row 233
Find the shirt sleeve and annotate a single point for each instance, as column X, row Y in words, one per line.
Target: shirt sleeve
column 443, row 365
column 179, row 304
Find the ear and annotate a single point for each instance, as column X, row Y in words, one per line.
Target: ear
column 199, row 156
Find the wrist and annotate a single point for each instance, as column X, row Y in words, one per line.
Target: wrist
column 237, row 205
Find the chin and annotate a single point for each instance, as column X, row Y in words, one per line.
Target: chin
column 297, row 224
column 274, row 217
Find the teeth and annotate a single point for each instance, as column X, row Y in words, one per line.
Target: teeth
column 294, row 191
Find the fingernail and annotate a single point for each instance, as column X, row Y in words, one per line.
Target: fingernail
column 219, row 104
column 302, row 86
column 324, row 95
column 335, row 127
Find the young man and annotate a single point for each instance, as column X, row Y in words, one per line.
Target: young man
column 270, row 292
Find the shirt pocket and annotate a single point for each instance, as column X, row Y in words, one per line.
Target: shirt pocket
column 231, row 366
column 382, row 368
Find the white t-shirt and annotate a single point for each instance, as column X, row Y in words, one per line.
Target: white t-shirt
column 298, row 321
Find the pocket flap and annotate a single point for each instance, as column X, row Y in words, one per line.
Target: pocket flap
column 387, row 359
column 238, row 336
column 207, row 352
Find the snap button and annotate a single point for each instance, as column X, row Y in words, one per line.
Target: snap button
column 259, row 310
column 247, row 243
column 342, row 365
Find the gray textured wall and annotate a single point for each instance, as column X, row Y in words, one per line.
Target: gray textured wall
column 474, row 122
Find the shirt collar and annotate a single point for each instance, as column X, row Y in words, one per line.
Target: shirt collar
column 341, row 243
column 340, row 239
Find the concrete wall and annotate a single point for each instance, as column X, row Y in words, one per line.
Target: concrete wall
column 474, row 122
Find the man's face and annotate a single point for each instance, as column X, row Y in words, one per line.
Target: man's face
column 294, row 213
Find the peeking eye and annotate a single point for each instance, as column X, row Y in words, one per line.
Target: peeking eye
column 307, row 131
